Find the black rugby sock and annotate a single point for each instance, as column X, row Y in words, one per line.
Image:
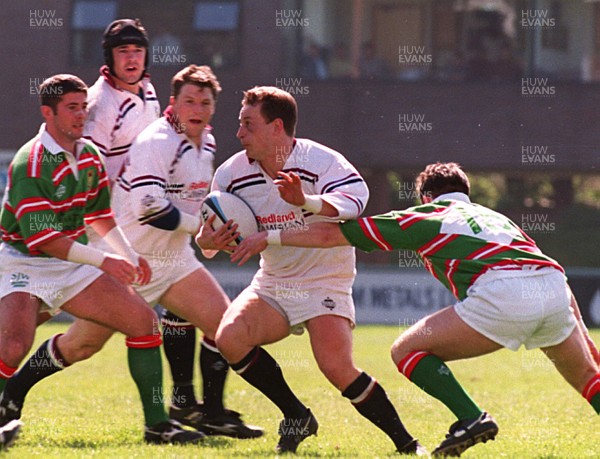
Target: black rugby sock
column 370, row 400
column 260, row 370
column 179, row 342
column 214, row 368
column 46, row 361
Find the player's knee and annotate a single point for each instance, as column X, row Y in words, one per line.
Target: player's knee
column 229, row 337
column 145, row 323
column 76, row 350
column 337, row 371
column 84, row 352
column 399, row 350
column 225, row 338
column 14, row 350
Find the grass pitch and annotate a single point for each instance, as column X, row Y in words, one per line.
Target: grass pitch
column 93, row 410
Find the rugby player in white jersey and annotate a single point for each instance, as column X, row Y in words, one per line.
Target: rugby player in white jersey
column 123, row 102
column 297, row 288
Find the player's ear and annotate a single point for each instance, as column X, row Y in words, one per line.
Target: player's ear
column 278, row 124
column 171, row 100
column 46, row 111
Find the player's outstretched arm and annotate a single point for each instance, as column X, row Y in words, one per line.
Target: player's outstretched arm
column 317, row 235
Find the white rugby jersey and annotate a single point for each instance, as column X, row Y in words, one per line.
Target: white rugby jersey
column 322, row 171
column 164, row 169
column 116, row 117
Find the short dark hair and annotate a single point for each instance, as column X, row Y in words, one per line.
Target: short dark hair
column 200, row 75
column 54, row 88
column 441, row 178
column 276, row 103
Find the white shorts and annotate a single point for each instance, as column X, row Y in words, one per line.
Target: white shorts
column 166, row 271
column 299, row 303
column 52, row 280
column 514, row 308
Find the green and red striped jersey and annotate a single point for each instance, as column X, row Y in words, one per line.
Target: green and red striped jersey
column 457, row 240
column 50, row 194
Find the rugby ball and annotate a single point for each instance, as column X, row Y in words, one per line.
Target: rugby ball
column 227, row 206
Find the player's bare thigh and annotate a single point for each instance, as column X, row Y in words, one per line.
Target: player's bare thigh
column 248, row 322
column 445, row 335
column 199, row 299
column 331, row 342
column 109, row 303
column 18, row 320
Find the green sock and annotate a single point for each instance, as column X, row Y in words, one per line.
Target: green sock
column 595, row 402
column 145, row 366
column 591, row 392
column 2, row 384
column 433, row 376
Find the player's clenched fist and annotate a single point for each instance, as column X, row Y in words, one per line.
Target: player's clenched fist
column 119, row 268
column 143, row 271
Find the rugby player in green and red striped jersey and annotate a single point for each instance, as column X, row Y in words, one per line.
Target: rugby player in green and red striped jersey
column 509, row 293
column 57, row 183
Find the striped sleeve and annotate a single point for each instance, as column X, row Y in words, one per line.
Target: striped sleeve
column 147, row 184
column 379, row 232
column 343, row 187
column 37, row 214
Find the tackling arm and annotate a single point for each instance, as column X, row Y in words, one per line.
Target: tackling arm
column 317, row 235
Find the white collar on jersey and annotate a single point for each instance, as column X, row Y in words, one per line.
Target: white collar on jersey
column 50, row 144
column 456, row 196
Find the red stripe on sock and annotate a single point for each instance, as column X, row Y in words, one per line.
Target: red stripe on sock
column 6, row 371
column 55, row 351
column 592, row 388
column 144, row 342
column 408, row 363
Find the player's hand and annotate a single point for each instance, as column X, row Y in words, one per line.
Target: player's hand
column 143, row 272
column 250, row 246
column 119, row 268
column 290, row 188
column 221, row 239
